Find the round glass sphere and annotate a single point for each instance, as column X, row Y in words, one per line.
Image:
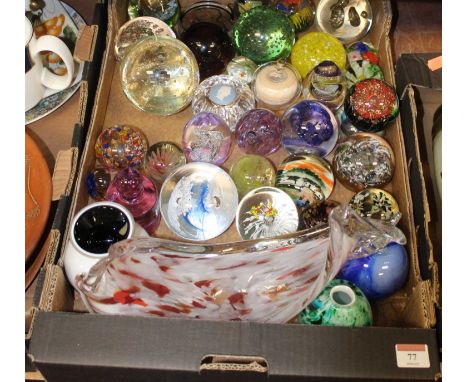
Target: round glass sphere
column 242, row 68
column 300, row 12
column 380, row 274
column 161, row 159
column 121, row 146
column 263, row 34
column 376, row 204
column 314, row 47
column 159, row 75
column 258, row 132
column 252, row 171
column 206, row 138
column 224, row 95
column 309, row 127
column 97, row 183
column 211, row 46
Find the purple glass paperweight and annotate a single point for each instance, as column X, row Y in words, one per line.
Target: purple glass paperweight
column 309, row 127
column 206, row 138
column 258, row 132
column 136, row 192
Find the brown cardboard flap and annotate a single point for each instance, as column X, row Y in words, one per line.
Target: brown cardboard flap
column 56, row 295
column 85, row 43
column 64, row 172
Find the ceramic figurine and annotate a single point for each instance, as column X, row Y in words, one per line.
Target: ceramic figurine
column 276, row 85
column 252, row 171
column 325, row 84
column 341, row 303
column 307, row 179
column 300, row 12
column 313, row 48
column 97, row 183
column 364, row 160
column 120, row 146
column 263, row 34
column 159, row 75
column 161, row 159
column 376, row 204
column 266, row 212
column 136, row 192
column 206, row 138
column 242, row 68
column 224, row 95
column 198, row 201
column 309, row 127
column 380, row 274
column 363, row 61
column 166, row 10
column 258, row 132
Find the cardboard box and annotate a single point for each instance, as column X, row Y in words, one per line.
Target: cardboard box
column 70, row 342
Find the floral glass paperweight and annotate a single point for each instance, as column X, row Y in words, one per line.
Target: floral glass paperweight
column 363, row 63
column 206, row 138
column 225, row 96
column 265, row 280
column 300, row 12
column 159, row 75
column 161, row 159
column 252, row 171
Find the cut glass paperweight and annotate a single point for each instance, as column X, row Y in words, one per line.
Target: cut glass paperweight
column 300, row 12
column 161, row 159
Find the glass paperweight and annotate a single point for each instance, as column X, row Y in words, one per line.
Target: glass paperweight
column 376, row 204
column 243, row 6
column 263, row 34
column 138, row 194
column 363, row 63
column 97, row 183
column 242, row 68
column 312, row 216
column 258, row 132
column 347, row 20
column 165, row 10
column 266, row 212
column 225, row 96
column 371, row 104
column 161, row 159
column 198, row 201
column 364, row 160
column 347, row 127
column 276, row 85
column 121, row 146
column 300, row 12
column 210, row 11
column 206, row 138
column 309, row 127
column 341, row 303
column 136, row 30
column 315, row 47
column 159, row 75
column 325, row 84
column 252, row 171
column 307, row 179
column 379, row 275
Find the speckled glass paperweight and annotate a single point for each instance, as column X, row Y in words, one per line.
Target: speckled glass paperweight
column 97, row 183
column 263, row 34
column 242, row 68
column 364, row 160
column 252, row 171
column 376, row 203
column 266, row 212
column 206, row 138
column 312, row 216
column 309, row 127
column 159, row 75
column 363, row 61
column 258, row 132
column 223, row 95
column 198, row 201
column 161, row 159
column 300, row 12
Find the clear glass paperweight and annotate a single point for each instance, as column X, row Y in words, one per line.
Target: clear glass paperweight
column 161, row 159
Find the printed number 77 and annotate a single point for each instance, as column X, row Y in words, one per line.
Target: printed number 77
column 412, row 356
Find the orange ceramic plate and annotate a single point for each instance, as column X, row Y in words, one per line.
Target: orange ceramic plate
column 38, row 194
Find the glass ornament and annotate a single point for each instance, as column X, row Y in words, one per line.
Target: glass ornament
column 263, row 34
column 341, row 303
column 121, row 146
column 242, row 68
column 161, row 159
column 97, row 183
column 258, row 132
column 166, row 10
column 206, row 138
column 225, row 96
column 376, row 204
column 159, row 75
column 300, row 12
column 363, row 61
column 309, row 127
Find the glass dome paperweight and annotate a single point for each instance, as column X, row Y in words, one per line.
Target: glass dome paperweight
column 242, row 68
column 315, row 47
column 206, row 138
column 363, row 63
column 225, row 96
column 198, row 201
column 165, row 10
column 300, row 12
column 376, row 203
column 161, row 159
column 258, row 132
column 276, row 85
column 136, row 30
column 263, row 34
column 120, row 146
column 309, row 127
column 364, row 160
column 266, row 212
column 159, row 75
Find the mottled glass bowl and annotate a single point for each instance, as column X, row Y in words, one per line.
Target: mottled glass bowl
column 266, row 280
column 224, row 95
